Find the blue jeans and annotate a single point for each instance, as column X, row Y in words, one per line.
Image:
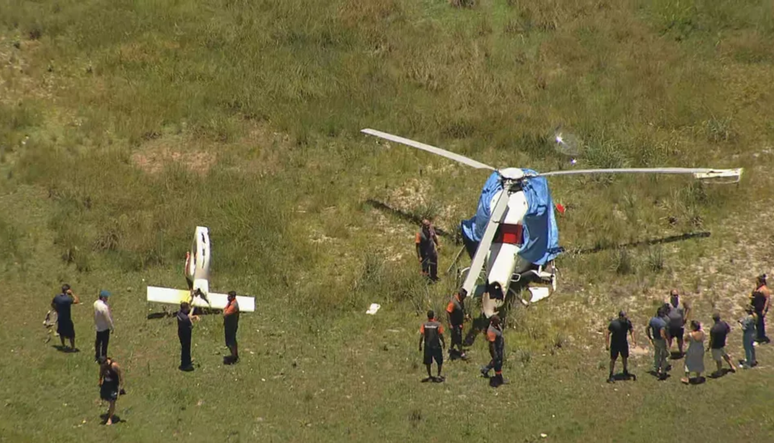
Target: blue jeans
column 749, row 349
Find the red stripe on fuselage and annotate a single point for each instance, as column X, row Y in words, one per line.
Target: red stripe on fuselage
column 510, row 234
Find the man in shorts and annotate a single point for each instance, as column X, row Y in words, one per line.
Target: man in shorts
column 619, row 344
column 230, row 325
column 62, row 304
column 456, row 314
column 677, row 313
column 111, row 384
column 431, row 334
column 718, row 334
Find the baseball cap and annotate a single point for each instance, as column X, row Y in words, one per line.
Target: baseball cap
column 104, row 293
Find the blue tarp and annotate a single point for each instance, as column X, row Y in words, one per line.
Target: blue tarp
column 541, row 235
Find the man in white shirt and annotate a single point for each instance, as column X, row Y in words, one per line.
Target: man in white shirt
column 103, row 322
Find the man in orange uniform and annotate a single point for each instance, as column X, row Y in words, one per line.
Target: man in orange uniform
column 431, row 333
column 427, row 250
column 496, row 350
column 230, row 325
column 456, row 314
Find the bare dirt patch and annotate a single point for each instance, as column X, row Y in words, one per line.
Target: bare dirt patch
column 155, row 156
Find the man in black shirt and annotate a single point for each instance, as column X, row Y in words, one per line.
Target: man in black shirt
column 760, row 301
column 616, row 342
column 185, row 320
column 431, row 334
column 62, row 304
column 717, row 344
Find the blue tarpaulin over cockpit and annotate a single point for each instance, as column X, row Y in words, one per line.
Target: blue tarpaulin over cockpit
column 541, row 235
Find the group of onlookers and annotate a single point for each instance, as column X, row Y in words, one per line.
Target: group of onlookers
column 668, row 325
column 111, row 377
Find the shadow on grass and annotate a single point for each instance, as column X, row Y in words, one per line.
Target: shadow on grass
column 116, row 419
column 409, row 217
column 649, row 242
column 65, row 349
column 720, row 374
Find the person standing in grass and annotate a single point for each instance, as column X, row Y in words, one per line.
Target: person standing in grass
column 748, row 338
column 717, row 344
column 455, row 311
column 760, row 300
column 694, row 357
column 656, row 331
column 677, row 313
column 494, row 336
column 619, row 344
column 431, row 334
column 230, row 325
column 103, row 323
column 62, row 304
column 427, row 250
column 111, row 384
column 185, row 320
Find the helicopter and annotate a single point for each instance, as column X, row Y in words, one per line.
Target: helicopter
column 513, row 238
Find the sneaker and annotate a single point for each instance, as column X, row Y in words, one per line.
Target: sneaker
column 439, row 379
column 611, row 379
column 485, row 372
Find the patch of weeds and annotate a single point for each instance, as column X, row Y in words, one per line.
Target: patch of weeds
column 655, row 259
column 623, row 263
column 719, row 130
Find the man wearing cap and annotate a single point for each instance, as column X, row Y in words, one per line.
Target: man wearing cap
column 455, row 311
column 103, row 323
column 619, row 343
column 230, row 325
column 427, row 250
column 494, row 336
column 62, row 304
column 717, row 344
column 431, row 334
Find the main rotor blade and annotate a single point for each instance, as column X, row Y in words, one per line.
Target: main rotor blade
column 438, row 151
column 486, row 241
column 701, row 173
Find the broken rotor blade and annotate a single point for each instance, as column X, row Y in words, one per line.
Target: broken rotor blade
column 438, row 151
column 486, row 242
column 700, row 173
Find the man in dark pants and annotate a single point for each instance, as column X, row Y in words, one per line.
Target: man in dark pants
column 760, row 300
column 427, row 250
column 496, row 350
column 103, row 323
column 657, row 334
column 456, row 313
column 619, row 345
column 185, row 320
column 431, row 334
column 62, row 304
column 230, row 325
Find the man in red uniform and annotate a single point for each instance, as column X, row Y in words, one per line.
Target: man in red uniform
column 427, row 250
column 455, row 311
column 431, row 334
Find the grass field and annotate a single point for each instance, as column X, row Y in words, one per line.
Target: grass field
column 123, row 125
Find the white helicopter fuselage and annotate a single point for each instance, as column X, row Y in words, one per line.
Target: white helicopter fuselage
column 503, row 259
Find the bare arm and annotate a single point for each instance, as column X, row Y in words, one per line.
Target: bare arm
column 101, row 375
column 419, row 254
column 767, row 293
column 647, row 332
column 443, row 342
column 421, row 339
column 634, row 340
column 120, row 374
column 607, row 339
column 76, row 299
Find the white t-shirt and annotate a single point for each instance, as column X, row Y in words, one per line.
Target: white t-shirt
column 103, row 320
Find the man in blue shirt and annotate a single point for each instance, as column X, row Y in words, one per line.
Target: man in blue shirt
column 62, row 304
column 656, row 331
